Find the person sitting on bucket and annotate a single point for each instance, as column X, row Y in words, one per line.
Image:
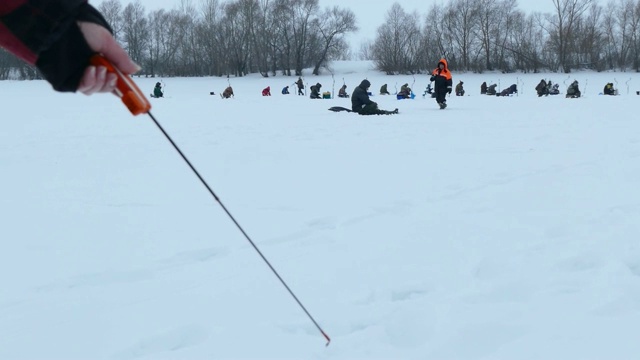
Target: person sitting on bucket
column 361, row 103
column 459, row 89
column 157, row 91
column 315, row 91
column 491, row 90
column 343, row 92
column 573, row 91
column 228, row 92
column 383, row 90
column 405, row 91
column 609, row 90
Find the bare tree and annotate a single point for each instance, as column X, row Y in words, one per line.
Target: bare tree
column 135, row 31
column 112, row 12
column 397, row 42
column 333, row 25
column 562, row 27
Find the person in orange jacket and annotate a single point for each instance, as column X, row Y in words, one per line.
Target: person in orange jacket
column 441, row 76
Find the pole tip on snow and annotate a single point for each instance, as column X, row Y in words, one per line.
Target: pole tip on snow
column 327, row 338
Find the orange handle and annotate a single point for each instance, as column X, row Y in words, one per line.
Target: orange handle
column 126, row 89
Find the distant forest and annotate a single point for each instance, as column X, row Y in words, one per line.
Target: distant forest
column 283, row 37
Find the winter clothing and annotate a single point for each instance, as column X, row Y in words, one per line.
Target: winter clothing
column 300, row 86
column 609, row 90
column 541, row 88
column 157, row 91
column 228, row 92
column 491, row 90
column 405, row 91
column 266, row 91
column 383, row 90
column 343, row 92
column 555, row 90
column 442, row 79
column 573, row 91
column 285, row 90
column 361, row 103
column 513, row 89
column 46, row 34
column 483, row 88
column 315, row 91
column 459, row 89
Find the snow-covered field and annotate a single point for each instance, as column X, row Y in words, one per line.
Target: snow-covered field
column 499, row 228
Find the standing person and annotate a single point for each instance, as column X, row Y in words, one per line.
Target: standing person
column 361, row 104
column 59, row 37
column 300, row 86
column 441, row 76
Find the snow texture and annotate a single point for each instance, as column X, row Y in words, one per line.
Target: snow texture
column 499, row 228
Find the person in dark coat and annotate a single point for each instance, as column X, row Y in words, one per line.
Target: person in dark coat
column 157, row 91
column 573, row 91
column 405, row 91
column 361, row 103
column 383, row 90
column 513, row 89
column 343, row 92
column 491, row 90
column 541, row 88
column 315, row 91
column 443, row 82
column 460, row 89
column 483, row 88
column 609, row 90
column 300, row 86
column 227, row 93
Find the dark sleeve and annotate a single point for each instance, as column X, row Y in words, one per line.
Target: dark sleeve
column 45, row 33
column 364, row 98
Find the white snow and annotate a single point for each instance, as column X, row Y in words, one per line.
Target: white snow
column 499, row 228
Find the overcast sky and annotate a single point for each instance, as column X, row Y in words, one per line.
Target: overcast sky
column 370, row 13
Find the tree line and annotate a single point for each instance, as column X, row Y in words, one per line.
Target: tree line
column 485, row 35
column 270, row 37
column 223, row 38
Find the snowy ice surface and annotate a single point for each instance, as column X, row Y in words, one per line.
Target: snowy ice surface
column 499, row 228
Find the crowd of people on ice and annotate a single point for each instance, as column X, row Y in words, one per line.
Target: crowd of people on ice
column 441, row 79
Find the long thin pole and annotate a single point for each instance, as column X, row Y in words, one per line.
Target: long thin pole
column 202, row 180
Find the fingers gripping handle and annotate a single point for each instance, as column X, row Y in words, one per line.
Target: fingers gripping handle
column 126, row 89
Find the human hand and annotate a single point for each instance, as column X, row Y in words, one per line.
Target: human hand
column 449, row 89
column 95, row 78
